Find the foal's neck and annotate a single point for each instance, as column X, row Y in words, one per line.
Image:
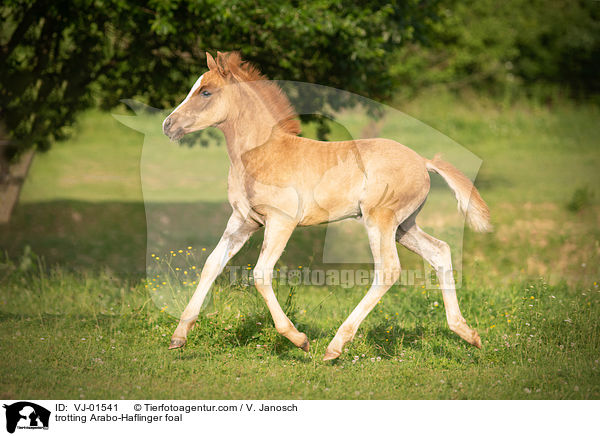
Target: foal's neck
column 249, row 128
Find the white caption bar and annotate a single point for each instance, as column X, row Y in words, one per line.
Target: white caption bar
column 244, row 417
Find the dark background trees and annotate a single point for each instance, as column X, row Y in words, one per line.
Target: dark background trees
column 535, row 47
column 58, row 58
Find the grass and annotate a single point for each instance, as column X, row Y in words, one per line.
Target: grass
column 80, row 318
column 79, row 336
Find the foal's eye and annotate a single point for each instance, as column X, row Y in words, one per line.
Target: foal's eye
column 205, row 94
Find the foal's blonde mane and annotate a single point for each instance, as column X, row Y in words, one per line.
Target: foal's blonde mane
column 272, row 95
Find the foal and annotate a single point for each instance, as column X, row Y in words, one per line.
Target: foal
column 280, row 180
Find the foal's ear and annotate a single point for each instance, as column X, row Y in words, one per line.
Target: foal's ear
column 222, row 64
column 210, row 62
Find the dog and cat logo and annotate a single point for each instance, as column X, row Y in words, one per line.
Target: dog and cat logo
column 26, row 415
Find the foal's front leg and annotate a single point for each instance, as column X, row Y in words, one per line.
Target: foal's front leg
column 235, row 236
column 278, row 230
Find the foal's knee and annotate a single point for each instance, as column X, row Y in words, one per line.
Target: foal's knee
column 390, row 271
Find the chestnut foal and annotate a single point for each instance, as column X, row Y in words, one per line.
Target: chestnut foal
column 280, row 180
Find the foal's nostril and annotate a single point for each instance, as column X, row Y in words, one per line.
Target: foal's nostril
column 167, row 124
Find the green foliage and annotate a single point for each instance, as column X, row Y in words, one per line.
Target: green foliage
column 56, row 56
column 508, row 47
column 59, row 57
column 50, row 53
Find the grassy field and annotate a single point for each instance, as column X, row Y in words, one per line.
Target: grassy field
column 79, row 317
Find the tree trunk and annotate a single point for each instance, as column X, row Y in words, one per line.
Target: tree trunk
column 12, row 177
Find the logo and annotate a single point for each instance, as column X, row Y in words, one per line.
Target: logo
column 26, row 415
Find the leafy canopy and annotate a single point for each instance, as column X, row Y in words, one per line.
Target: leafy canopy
column 59, row 57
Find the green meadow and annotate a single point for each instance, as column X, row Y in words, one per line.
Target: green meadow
column 81, row 315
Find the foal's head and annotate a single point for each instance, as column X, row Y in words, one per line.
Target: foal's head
column 218, row 96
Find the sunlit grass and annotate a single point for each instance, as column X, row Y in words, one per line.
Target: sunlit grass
column 94, row 337
column 83, row 320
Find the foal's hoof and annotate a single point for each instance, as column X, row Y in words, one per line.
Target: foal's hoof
column 305, row 345
column 476, row 341
column 330, row 355
column 176, row 343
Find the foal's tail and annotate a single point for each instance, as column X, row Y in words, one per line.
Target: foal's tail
column 470, row 202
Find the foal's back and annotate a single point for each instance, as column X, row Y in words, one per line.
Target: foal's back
column 337, row 180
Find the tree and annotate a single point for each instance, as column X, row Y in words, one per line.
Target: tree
column 50, row 55
column 533, row 45
column 59, row 57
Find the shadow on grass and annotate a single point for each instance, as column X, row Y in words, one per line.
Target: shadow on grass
column 113, row 236
column 258, row 330
column 208, row 339
column 410, row 339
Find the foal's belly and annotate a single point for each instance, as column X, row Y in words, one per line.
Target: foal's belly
column 327, row 206
column 336, row 196
column 307, row 206
column 314, row 214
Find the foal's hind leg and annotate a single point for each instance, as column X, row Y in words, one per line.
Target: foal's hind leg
column 278, row 230
column 437, row 253
column 381, row 228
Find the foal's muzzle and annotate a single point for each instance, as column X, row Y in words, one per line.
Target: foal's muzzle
column 167, row 125
column 169, row 131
